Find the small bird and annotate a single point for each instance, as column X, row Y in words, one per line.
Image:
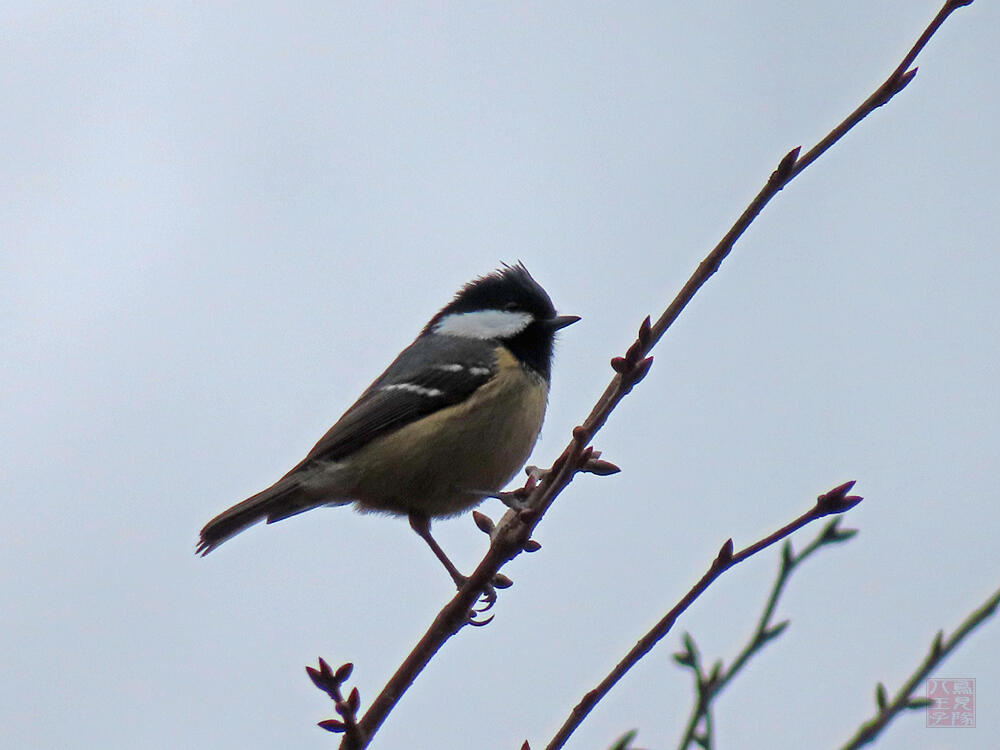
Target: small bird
column 447, row 424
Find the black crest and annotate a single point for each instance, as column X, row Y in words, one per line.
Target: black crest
column 507, row 288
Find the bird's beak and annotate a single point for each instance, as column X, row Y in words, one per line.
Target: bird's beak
column 561, row 321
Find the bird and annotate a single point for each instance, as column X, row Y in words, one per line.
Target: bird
column 449, row 423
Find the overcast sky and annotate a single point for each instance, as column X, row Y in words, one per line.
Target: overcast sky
column 221, row 220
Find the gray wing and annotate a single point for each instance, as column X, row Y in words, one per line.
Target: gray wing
column 428, row 375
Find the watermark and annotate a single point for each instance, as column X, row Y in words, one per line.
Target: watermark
column 953, row 702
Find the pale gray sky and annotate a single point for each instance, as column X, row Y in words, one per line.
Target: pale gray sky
column 220, row 221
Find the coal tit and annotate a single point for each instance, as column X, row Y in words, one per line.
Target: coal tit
column 449, row 423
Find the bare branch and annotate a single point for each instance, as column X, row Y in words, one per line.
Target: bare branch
column 330, row 682
column 835, row 501
column 707, row 686
column 513, row 533
column 903, row 700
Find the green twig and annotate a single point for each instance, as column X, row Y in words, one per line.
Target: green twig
column 903, row 700
column 710, row 685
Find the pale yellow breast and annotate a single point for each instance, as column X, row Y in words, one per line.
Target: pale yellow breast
column 446, row 462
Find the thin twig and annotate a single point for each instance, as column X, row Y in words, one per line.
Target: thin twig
column 835, row 501
column 708, row 686
column 513, row 531
column 331, row 682
column 902, row 701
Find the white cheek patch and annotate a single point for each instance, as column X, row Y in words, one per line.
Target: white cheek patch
column 412, row 388
column 484, row 324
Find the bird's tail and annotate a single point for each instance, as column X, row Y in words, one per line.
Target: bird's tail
column 284, row 498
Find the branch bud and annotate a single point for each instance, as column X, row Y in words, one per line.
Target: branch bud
column 599, row 467
column 483, row 522
column 837, row 500
column 343, row 673
column 881, row 698
column 645, row 332
column 725, row 556
column 786, row 165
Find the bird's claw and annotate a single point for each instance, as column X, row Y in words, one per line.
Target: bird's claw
column 487, row 599
column 478, row 623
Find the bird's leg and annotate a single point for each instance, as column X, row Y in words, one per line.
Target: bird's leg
column 422, row 525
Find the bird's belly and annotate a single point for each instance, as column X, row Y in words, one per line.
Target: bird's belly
column 449, row 461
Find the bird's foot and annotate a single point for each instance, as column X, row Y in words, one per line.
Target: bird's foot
column 487, row 598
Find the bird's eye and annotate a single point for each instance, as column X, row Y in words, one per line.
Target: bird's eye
column 511, row 306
